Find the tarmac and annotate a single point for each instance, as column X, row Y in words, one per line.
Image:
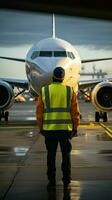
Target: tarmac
column 23, row 159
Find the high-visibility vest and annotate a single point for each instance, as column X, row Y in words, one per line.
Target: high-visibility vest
column 57, row 102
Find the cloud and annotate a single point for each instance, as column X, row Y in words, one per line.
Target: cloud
column 19, row 28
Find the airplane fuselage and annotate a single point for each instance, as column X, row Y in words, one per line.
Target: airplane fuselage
column 48, row 54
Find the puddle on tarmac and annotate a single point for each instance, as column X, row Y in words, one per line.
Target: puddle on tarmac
column 16, row 151
column 27, row 133
column 21, row 151
column 12, row 154
column 30, row 134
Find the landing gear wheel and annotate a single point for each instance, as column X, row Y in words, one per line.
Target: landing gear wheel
column 6, row 116
column 1, row 115
column 105, row 117
column 101, row 115
column 97, row 116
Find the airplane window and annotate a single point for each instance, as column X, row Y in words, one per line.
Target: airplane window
column 34, row 54
column 71, row 55
column 45, row 53
column 60, row 54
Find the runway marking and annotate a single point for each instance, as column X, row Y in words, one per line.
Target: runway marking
column 26, row 126
column 108, row 131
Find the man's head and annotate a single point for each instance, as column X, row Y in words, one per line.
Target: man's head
column 58, row 74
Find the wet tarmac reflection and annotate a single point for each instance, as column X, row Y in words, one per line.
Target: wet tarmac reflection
column 82, row 190
column 52, row 194
column 21, row 151
column 61, row 193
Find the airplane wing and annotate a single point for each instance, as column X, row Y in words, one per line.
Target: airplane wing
column 89, row 83
column 16, row 82
column 82, row 84
column 82, row 61
column 94, row 60
column 13, row 59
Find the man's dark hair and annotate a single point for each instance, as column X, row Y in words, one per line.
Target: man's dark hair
column 58, row 74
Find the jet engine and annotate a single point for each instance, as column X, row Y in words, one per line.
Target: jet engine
column 6, row 95
column 102, row 96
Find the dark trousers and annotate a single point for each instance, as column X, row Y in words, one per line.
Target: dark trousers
column 52, row 138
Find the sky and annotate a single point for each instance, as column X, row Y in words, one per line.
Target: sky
column 19, row 30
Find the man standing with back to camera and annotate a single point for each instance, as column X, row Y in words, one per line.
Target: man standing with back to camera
column 58, row 118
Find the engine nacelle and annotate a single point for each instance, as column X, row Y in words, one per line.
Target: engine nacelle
column 6, row 95
column 102, row 96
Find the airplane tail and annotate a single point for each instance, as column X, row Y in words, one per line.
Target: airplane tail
column 53, row 26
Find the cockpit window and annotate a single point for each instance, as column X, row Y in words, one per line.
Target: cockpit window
column 71, row 55
column 60, row 54
column 36, row 54
column 45, row 53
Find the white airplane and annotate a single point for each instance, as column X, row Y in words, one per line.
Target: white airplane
column 40, row 62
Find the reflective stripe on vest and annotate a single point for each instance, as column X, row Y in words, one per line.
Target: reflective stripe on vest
column 57, row 108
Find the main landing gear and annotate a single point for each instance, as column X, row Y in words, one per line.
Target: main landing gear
column 101, row 115
column 4, row 115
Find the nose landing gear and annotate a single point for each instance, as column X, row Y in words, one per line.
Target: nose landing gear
column 4, row 115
